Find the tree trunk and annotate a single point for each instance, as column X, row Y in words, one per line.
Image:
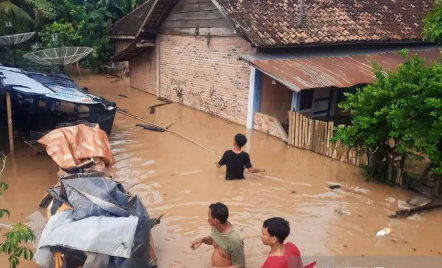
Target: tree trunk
column 437, row 184
column 400, row 170
column 426, row 171
column 390, row 163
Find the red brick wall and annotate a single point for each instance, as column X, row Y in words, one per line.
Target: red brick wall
column 270, row 125
column 143, row 73
column 211, row 79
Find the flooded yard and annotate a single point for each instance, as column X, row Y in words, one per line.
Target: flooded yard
column 179, row 179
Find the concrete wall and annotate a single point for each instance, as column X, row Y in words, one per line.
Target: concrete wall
column 276, row 99
column 206, row 77
column 143, row 71
column 270, row 125
column 121, row 44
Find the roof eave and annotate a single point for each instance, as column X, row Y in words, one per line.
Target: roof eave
column 121, row 37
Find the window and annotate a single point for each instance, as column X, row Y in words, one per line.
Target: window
column 306, row 99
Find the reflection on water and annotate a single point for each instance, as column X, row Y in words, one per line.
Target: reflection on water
column 178, row 179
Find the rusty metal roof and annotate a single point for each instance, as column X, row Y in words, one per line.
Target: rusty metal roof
column 299, row 72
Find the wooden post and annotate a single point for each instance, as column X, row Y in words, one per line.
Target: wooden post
column 9, row 110
column 291, row 126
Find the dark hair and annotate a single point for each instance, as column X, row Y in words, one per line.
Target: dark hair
column 278, row 227
column 219, row 211
column 240, row 140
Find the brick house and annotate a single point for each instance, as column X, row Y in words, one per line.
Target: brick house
column 238, row 59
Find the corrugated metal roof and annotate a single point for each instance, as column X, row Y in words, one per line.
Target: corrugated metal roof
column 300, row 72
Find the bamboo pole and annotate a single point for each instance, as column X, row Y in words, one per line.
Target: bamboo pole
column 9, row 111
column 291, row 128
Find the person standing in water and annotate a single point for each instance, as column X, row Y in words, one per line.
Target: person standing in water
column 236, row 160
column 228, row 247
column 274, row 232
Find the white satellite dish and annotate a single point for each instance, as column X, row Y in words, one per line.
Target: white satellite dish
column 15, row 39
column 58, row 56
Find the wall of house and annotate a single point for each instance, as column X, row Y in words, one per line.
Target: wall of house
column 143, row 71
column 276, row 99
column 197, row 17
column 206, row 75
column 121, row 44
column 270, row 125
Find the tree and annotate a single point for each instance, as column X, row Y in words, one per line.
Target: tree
column 16, row 9
column 399, row 115
column 59, row 35
column 433, row 24
column 18, row 232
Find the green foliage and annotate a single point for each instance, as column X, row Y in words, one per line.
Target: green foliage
column 433, row 24
column 17, row 234
column 60, row 34
column 15, row 9
column 81, row 23
column 401, row 112
column 46, row 8
column 18, row 26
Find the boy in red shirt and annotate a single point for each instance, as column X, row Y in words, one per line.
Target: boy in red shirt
column 274, row 232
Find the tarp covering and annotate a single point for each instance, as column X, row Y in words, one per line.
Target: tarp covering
column 28, row 84
column 69, row 146
column 124, row 238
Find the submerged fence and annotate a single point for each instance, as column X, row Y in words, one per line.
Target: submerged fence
column 315, row 135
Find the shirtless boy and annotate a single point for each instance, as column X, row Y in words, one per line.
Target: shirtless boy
column 228, row 247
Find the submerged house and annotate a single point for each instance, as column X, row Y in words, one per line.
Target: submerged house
column 240, row 59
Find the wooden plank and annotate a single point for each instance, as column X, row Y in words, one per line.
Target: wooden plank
column 197, row 15
column 323, row 137
column 309, row 136
column 10, row 128
column 193, row 5
column 296, row 129
column 290, row 127
column 316, row 136
column 305, row 132
column 301, row 133
column 216, row 31
column 319, row 137
column 194, row 23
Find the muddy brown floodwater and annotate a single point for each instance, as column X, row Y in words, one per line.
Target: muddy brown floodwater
column 179, row 179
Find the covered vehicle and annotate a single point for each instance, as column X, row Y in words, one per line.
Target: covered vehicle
column 40, row 101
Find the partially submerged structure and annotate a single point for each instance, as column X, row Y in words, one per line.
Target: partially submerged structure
column 115, row 226
column 252, row 61
column 38, row 102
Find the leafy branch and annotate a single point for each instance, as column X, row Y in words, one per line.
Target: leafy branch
column 18, row 232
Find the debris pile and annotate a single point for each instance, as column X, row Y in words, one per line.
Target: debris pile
column 92, row 221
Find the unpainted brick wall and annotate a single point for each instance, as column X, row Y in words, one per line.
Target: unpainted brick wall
column 269, row 125
column 208, row 78
column 143, row 72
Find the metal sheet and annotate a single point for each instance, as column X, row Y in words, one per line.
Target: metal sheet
column 299, row 73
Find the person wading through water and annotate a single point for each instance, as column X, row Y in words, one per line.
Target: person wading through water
column 282, row 255
column 228, row 247
column 236, row 160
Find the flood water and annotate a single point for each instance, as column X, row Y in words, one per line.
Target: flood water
column 179, row 179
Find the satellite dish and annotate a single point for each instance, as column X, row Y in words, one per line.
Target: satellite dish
column 15, row 39
column 58, row 56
